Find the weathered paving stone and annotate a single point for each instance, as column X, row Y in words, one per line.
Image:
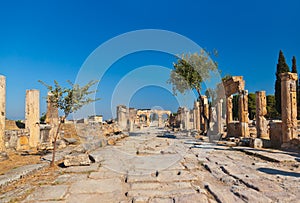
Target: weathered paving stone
column 160, row 186
column 175, row 175
column 140, row 199
column 60, row 201
column 70, row 178
column 193, row 198
column 97, row 186
column 143, row 178
column 56, row 192
column 82, row 169
column 161, row 200
column 160, row 193
column 19, row 172
column 102, row 174
column 95, row 198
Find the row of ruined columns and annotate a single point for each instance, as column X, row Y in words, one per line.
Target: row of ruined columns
column 32, row 115
column 285, row 130
column 288, row 130
column 201, row 114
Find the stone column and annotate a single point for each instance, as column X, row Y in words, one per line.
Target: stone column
column 122, row 116
column 206, row 113
column 187, row 119
column 261, row 111
column 243, row 113
column 229, row 106
column 52, row 117
column 288, row 106
column 160, row 121
column 2, row 111
column 32, row 116
column 197, row 115
column 219, row 117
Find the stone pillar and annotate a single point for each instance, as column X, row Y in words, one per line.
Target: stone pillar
column 261, row 111
column 197, row 115
column 205, row 115
column 187, row 119
column 229, row 106
column 52, row 117
column 288, row 106
column 219, row 117
column 122, row 117
column 160, row 121
column 2, row 111
column 32, row 116
column 243, row 113
column 132, row 119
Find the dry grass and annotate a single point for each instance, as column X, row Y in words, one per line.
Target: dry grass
column 16, row 160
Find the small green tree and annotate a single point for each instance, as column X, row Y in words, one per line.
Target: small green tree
column 190, row 71
column 294, row 70
column 43, row 118
column 235, row 107
column 271, row 110
column 68, row 100
column 211, row 96
column 282, row 67
column 251, row 105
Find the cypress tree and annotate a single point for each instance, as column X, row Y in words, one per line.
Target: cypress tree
column 294, row 70
column 282, row 67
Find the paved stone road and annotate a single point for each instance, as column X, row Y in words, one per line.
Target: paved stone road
column 147, row 168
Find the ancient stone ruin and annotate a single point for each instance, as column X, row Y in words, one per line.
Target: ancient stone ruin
column 203, row 118
column 130, row 119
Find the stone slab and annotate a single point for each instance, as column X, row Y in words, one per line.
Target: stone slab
column 82, row 169
column 270, row 154
column 95, row 198
column 56, row 192
column 96, row 186
column 18, row 173
column 159, row 186
column 160, row 193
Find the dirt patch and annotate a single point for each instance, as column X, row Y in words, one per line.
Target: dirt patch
column 19, row 190
column 16, row 160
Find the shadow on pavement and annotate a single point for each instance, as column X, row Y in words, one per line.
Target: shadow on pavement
column 273, row 171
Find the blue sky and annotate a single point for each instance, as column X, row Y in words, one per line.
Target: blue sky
column 51, row 39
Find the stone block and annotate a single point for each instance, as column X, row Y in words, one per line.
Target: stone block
column 256, row 143
column 275, row 133
column 48, row 193
column 77, row 160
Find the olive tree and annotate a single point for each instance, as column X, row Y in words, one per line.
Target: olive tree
column 68, row 100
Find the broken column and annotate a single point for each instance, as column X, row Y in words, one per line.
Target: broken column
column 219, row 116
column 261, row 111
column 243, row 113
column 122, row 116
column 32, row 116
column 229, row 106
column 197, row 115
column 205, row 114
column 187, row 119
column 52, row 117
column 288, row 106
column 2, row 111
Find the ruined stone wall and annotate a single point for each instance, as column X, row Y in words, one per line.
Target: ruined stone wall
column 16, row 139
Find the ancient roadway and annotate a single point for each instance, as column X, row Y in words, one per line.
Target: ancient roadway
column 174, row 168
